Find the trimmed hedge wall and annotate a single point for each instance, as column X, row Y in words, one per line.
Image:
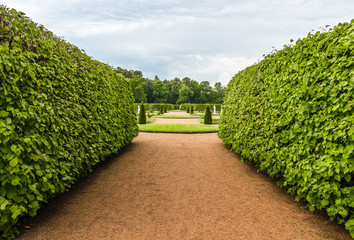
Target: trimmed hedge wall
column 201, row 107
column 292, row 114
column 154, row 106
column 61, row 113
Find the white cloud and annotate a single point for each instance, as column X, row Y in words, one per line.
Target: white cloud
column 224, row 78
column 83, row 29
column 205, row 40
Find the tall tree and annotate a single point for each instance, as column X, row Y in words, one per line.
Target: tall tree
column 205, row 90
column 139, row 86
column 159, row 93
column 185, row 94
column 220, row 92
column 150, row 90
column 129, row 73
column 174, row 88
column 194, row 86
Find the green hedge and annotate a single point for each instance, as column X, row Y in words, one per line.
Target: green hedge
column 61, row 113
column 200, row 107
column 292, row 114
column 154, row 106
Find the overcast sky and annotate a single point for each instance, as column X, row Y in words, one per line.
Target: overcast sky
column 207, row 40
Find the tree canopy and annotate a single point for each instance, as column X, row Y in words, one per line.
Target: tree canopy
column 174, row 91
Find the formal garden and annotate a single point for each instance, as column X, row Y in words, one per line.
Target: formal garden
column 185, row 120
column 69, row 128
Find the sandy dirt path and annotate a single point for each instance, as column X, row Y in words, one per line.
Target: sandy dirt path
column 177, row 113
column 176, row 120
column 178, row 186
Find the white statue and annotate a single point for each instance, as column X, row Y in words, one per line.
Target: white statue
column 214, row 109
column 138, row 109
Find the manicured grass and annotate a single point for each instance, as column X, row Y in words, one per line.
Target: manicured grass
column 177, row 117
column 149, row 120
column 215, row 120
column 178, row 128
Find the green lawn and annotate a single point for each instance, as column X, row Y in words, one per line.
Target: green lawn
column 148, row 120
column 215, row 120
column 178, row 128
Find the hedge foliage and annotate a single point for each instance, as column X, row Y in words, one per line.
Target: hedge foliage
column 201, row 107
column 155, row 106
column 61, row 113
column 292, row 114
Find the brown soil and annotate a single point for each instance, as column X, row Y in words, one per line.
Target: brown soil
column 177, row 186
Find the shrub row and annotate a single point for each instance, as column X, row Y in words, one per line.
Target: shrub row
column 154, row 106
column 292, row 114
column 61, row 113
column 200, row 107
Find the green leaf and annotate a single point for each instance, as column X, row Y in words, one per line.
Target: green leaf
column 33, row 187
column 3, row 113
column 349, row 225
column 14, row 162
column 348, row 177
column 3, row 205
column 324, row 202
column 6, row 139
column 39, row 197
column 15, row 181
column 4, row 219
column 16, row 213
column 13, row 148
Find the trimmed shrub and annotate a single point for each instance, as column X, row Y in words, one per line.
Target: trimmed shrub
column 192, row 111
column 153, row 106
column 142, row 114
column 61, row 113
column 165, row 109
column 188, row 109
column 207, row 117
column 292, row 114
column 200, row 107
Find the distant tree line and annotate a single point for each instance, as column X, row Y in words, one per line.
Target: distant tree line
column 175, row 91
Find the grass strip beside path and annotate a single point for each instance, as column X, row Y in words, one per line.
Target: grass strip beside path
column 215, row 120
column 148, row 120
column 178, row 128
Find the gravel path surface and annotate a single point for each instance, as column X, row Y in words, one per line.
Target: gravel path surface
column 179, row 113
column 178, row 186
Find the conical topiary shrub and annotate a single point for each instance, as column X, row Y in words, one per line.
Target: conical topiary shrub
column 161, row 109
column 192, row 110
column 142, row 116
column 207, row 116
column 187, row 109
column 165, row 109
